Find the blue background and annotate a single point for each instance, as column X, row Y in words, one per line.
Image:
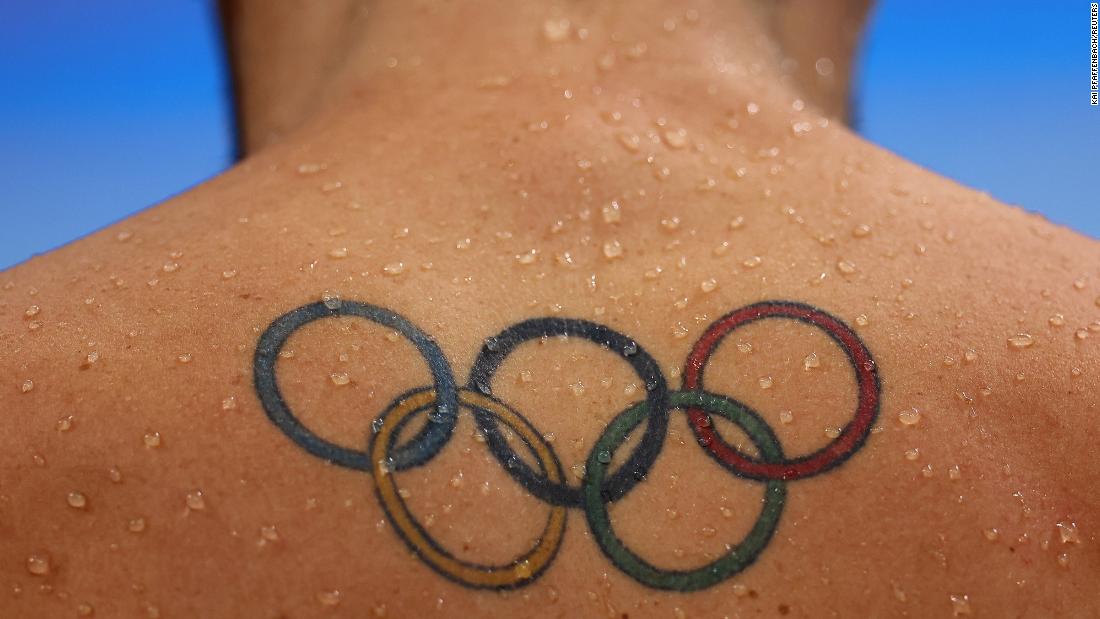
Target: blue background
column 114, row 105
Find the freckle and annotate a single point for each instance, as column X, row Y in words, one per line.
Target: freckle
column 195, row 500
column 76, row 500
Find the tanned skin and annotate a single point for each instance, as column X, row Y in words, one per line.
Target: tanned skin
column 565, row 209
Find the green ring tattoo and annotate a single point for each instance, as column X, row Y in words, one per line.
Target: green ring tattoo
column 740, row 556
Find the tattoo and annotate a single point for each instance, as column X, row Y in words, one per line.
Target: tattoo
column 443, row 399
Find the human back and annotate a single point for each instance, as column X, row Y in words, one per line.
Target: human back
column 595, row 218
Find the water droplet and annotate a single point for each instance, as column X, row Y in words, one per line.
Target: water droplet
column 862, row 320
column 32, row 311
column 676, row 138
column 632, row 142
column 269, row 533
column 861, row 231
column 766, row 382
column 1063, row 559
column 136, row 525
column 811, row 361
column 709, row 285
column 603, row 457
column 612, row 212
column 229, row 403
column 612, row 249
column 38, row 564
column 960, row 605
column 992, row 534
column 114, row 474
column 184, row 358
column 1081, row 334
column 556, row 30
column 27, row 386
column 195, row 500
column 846, row 267
column 329, row 598
column 306, row 169
column 230, row 274
column 909, row 417
column 912, row 454
column 1067, row 531
column 953, row 473
column 394, row 268
column 338, row 252
column 340, row 378
column 76, row 500
column 85, row 610
column 970, row 356
column 151, row 440
column 1057, row 320
column 170, row 267
column 1021, row 340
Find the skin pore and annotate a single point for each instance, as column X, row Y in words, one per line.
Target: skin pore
column 546, row 218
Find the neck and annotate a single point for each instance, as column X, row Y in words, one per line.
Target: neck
column 292, row 64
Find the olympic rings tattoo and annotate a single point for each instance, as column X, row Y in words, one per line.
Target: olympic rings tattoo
column 443, row 400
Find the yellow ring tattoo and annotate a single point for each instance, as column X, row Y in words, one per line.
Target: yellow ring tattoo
column 519, row 571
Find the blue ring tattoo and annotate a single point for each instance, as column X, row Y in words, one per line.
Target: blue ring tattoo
column 420, row 449
column 497, row 348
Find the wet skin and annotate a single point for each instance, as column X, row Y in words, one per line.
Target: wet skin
column 486, row 209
